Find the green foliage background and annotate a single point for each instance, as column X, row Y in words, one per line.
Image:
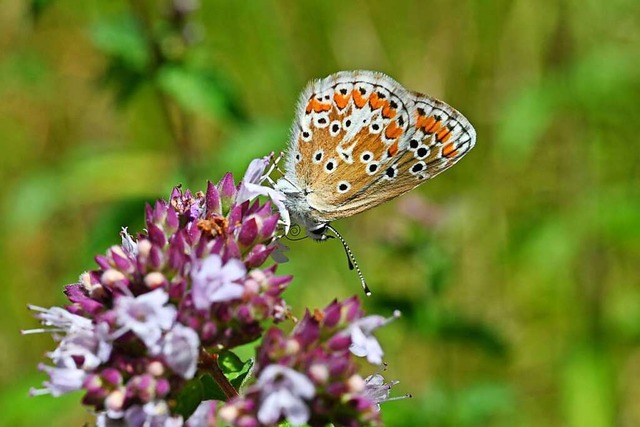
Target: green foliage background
column 517, row 271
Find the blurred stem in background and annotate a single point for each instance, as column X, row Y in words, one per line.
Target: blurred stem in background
column 178, row 121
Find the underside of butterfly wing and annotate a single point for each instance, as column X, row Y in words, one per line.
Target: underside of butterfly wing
column 440, row 137
column 361, row 139
column 350, row 126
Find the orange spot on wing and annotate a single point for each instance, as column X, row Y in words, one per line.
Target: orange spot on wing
column 322, row 107
column 310, row 106
column 387, row 111
column 443, row 134
column 341, row 100
column 393, row 130
column 358, row 99
column 393, row 150
column 422, row 121
column 375, row 101
column 449, row 150
column 317, row 106
column 432, row 125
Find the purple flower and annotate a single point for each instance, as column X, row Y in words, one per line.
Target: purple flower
column 63, row 379
column 137, row 326
column 251, row 187
column 128, row 244
column 376, row 390
column 363, row 343
column 214, row 282
column 145, row 315
column 84, row 348
column 180, row 350
column 60, row 319
column 151, row 414
column 318, row 351
column 204, row 415
column 286, row 391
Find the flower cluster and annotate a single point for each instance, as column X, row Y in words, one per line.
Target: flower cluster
column 163, row 306
column 131, row 336
column 311, row 376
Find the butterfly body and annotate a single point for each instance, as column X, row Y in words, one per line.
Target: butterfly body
column 360, row 139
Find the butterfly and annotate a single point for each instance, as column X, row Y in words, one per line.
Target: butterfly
column 360, row 139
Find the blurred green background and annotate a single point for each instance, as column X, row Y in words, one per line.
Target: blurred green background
column 517, row 271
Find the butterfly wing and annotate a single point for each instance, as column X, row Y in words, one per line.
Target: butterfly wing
column 349, row 125
column 358, row 137
column 439, row 138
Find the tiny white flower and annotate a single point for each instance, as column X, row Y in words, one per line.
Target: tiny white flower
column 146, row 315
column 363, row 343
column 251, row 187
column 180, row 350
column 214, row 282
column 285, row 392
column 128, row 244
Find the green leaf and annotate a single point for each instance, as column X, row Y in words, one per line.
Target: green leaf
column 189, row 398
column 234, row 369
column 199, row 91
column 229, row 362
column 124, row 79
column 211, row 389
column 122, row 38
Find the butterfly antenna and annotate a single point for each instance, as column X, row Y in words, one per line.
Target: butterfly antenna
column 351, row 259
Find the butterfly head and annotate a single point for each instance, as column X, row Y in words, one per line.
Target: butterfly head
column 298, row 203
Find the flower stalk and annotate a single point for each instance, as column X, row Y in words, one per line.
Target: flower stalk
column 208, row 363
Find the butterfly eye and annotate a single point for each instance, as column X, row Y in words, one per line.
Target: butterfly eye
column 372, row 168
column 421, row 152
column 330, row 166
column 343, row 187
column 366, row 156
column 317, row 156
column 334, row 129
